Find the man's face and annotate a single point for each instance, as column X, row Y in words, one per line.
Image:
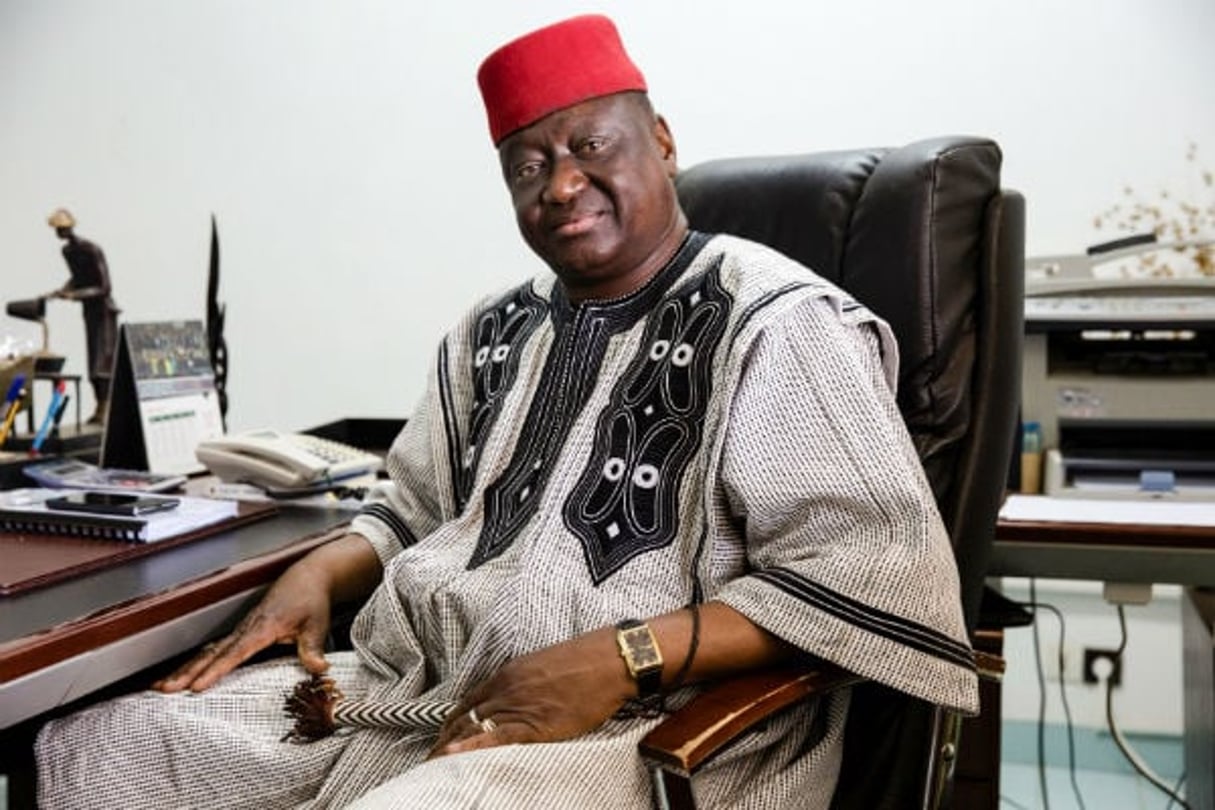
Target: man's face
column 591, row 186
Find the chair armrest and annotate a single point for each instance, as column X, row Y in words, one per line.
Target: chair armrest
column 717, row 716
column 681, row 743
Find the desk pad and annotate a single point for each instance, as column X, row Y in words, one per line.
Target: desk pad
column 29, row 561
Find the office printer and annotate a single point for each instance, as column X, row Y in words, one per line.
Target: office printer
column 1119, row 372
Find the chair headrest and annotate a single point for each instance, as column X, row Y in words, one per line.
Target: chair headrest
column 900, row 229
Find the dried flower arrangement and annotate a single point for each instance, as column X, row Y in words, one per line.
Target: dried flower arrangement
column 1172, row 220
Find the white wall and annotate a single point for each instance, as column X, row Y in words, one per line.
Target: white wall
column 343, row 148
column 1149, row 699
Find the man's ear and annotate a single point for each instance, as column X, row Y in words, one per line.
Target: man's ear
column 666, row 144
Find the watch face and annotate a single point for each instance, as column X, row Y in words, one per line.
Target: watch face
column 639, row 645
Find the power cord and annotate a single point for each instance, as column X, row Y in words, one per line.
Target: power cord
column 1123, row 746
column 1176, row 787
column 1067, row 711
column 1033, row 605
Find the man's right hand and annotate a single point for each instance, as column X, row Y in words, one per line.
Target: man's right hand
column 295, row 609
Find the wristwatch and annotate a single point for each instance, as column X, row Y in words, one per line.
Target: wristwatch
column 641, row 655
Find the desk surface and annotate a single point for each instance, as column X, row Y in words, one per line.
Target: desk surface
column 66, row 640
column 1183, row 555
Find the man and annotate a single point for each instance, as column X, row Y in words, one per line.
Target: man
column 90, row 285
column 671, row 441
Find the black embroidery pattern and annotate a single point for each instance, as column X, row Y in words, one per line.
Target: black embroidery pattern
column 498, row 337
column 512, row 499
column 762, row 303
column 398, row 527
column 888, row 625
column 581, row 338
column 626, row 501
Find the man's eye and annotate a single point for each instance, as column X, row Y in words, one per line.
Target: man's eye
column 592, row 145
column 526, row 171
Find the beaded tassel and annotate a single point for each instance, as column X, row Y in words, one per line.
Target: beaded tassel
column 319, row 708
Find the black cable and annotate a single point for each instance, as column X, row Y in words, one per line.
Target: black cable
column 1067, row 712
column 1033, row 601
column 1176, row 787
column 1123, row 746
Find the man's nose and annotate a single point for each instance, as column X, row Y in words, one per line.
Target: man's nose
column 565, row 181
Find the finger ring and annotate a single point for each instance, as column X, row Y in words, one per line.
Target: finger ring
column 487, row 725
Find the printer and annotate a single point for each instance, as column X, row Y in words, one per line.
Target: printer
column 1119, row 373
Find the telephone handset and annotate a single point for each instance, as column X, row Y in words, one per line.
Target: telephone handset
column 276, row 460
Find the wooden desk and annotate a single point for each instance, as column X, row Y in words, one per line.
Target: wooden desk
column 67, row 640
column 1184, row 555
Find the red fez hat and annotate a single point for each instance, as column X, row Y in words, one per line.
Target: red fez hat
column 553, row 68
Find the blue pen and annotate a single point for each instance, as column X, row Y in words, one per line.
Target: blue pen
column 59, row 413
column 12, row 404
column 14, row 391
column 51, row 411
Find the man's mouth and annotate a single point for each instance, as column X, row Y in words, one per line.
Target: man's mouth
column 577, row 224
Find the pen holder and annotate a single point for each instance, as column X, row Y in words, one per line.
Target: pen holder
column 10, row 368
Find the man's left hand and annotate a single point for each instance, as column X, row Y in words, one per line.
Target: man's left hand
column 552, row 694
column 571, row 688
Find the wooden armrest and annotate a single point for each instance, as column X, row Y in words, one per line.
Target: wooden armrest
column 717, row 716
column 990, row 667
column 722, row 713
column 988, row 644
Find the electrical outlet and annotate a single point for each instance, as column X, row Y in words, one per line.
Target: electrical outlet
column 1114, row 662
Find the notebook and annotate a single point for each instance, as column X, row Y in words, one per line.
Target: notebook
column 24, row 511
column 31, row 560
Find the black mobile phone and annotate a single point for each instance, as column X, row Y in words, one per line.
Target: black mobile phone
column 111, row 503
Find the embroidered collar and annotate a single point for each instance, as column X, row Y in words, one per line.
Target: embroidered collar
column 635, row 305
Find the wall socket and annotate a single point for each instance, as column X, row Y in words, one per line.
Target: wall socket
column 1092, row 656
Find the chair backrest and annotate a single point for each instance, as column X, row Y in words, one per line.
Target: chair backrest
column 925, row 237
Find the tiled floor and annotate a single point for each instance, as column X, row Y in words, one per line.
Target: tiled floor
column 1099, row 790
column 1104, row 780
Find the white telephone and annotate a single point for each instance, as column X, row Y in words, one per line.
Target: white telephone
column 276, row 460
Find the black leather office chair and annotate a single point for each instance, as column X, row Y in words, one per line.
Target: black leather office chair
column 927, row 239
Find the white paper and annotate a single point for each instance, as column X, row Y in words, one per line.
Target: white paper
column 1046, row 508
